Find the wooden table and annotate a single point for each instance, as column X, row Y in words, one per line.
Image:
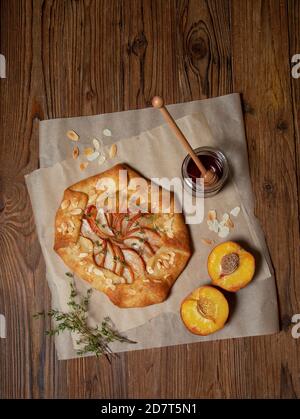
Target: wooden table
column 69, row 58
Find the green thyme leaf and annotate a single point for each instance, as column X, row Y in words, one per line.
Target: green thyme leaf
column 94, row 340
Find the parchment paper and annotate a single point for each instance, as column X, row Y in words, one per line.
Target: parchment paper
column 253, row 310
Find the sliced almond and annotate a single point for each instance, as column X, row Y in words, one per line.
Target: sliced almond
column 101, row 159
column 93, row 156
column 224, row 220
column 113, row 151
column 83, row 166
column 83, row 255
column 131, row 291
column 59, row 229
column 71, row 224
column 90, row 269
column 74, row 202
column 224, row 231
column 107, row 132
column 98, row 272
column 92, row 198
column 149, row 270
column 159, row 264
column 72, row 135
column 229, row 223
column 171, row 262
column 225, row 217
column 211, row 215
column 75, row 153
column 76, row 211
column 213, row 225
column 165, row 264
column 96, row 144
column 64, row 227
column 70, row 229
column 108, row 281
column 65, row 204
column 117, row 281
column 235, row 211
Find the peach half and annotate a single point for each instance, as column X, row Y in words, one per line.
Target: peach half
column 204, row 311
column 230, row 266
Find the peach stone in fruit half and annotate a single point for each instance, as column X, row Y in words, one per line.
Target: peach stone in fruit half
column 204, row 311
column 230, row 266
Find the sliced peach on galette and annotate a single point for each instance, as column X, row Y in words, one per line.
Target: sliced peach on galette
column 204, row 311
column 230, row 266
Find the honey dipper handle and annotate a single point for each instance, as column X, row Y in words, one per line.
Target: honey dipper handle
column 158, row 103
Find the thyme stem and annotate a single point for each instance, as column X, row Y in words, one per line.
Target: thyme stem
column 94, row 340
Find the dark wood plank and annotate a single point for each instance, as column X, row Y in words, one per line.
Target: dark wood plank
column 294, row 48
column 86, row 57
column 24, row 365
column 261, row 69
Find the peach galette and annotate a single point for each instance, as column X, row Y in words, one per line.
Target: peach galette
column 133, row 256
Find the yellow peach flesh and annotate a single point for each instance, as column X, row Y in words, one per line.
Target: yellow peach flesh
column 237, row 279
column 204, row 311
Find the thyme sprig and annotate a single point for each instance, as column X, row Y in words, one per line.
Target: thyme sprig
column 92, row 340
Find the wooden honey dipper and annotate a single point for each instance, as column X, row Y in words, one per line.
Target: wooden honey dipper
column 210, row 178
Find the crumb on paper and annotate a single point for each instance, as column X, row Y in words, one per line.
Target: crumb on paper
column 208, row 242
column 88, row 151
column 72, row 135
column 83, row 165
column 75, row 152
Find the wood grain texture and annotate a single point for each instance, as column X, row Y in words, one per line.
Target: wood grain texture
column 86, row 57
column 261, row 68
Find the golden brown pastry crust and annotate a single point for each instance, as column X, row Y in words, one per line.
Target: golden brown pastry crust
column 166, row 236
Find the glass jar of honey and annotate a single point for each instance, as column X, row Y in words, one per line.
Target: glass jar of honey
column 212, row 159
